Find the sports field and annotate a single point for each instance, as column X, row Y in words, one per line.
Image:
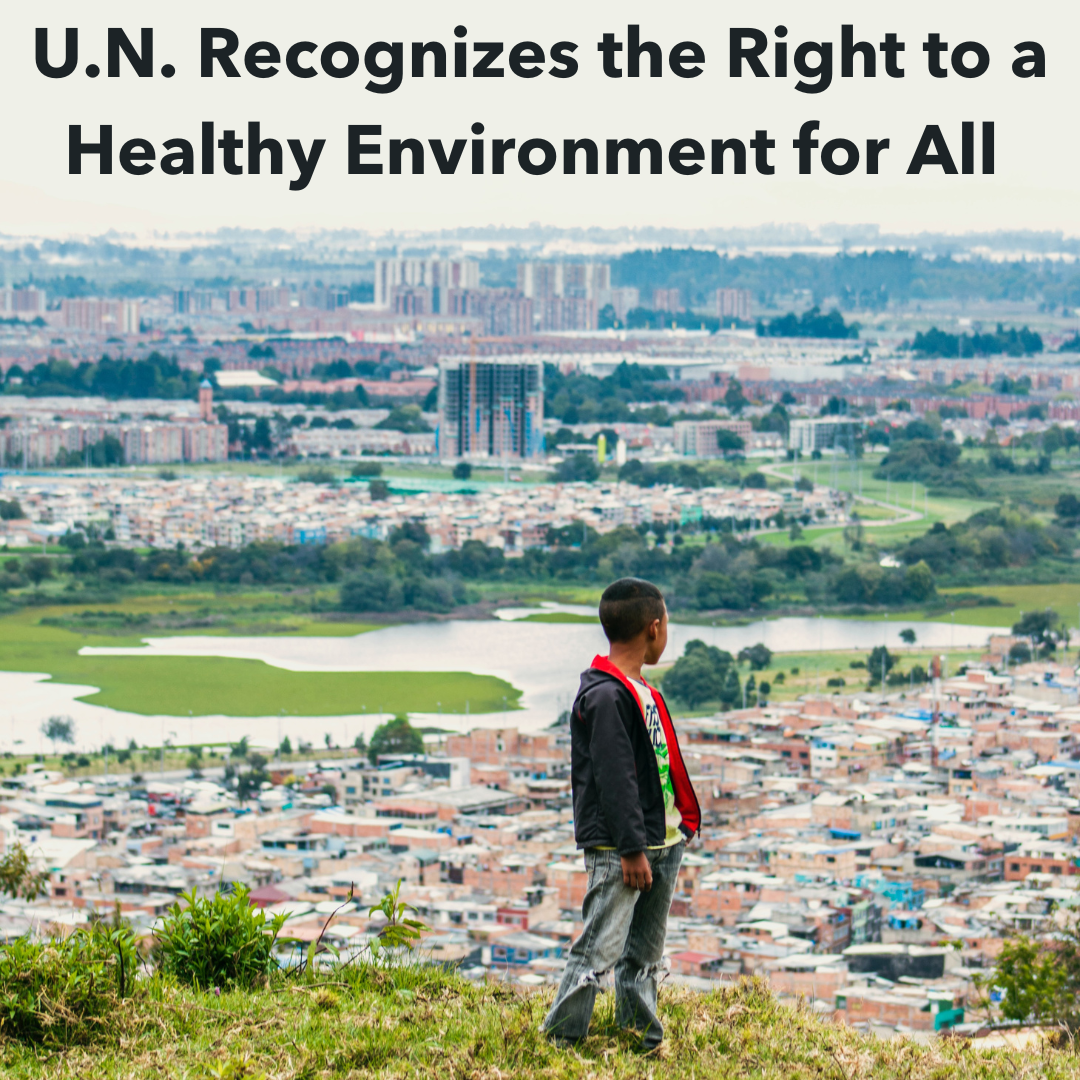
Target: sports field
column 178, row 685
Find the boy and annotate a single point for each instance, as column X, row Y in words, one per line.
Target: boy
column 634, row 807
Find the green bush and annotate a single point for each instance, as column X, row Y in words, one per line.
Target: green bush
column 218, row 941
column 63, row 993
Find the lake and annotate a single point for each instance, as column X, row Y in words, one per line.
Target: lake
column 543, row 660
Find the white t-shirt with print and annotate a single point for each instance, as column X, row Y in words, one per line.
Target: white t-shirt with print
column 672, row 817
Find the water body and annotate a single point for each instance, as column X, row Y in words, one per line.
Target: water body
column 543, row 660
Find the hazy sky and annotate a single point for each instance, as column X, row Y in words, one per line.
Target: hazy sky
column 1035, row 184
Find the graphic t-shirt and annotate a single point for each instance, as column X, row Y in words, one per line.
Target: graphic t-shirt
column 672, row 817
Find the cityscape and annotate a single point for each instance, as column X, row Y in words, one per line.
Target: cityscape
column 303, row 539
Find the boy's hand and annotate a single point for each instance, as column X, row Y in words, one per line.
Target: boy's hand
column 637, row 872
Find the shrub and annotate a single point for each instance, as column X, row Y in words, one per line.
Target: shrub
column 370, row 590
column 700, row 675
column 63, row 993
column 218, row 941
column 758, row 656
column 367, row 468
column 317, row 474
column 396, row 736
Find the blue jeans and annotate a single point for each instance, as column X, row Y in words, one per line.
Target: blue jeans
column 624, row 930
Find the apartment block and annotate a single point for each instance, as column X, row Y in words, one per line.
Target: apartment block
column 491, row 408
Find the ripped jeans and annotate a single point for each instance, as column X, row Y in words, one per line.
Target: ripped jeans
column 624, row 930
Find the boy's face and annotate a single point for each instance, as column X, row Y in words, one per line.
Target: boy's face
column 656, row 639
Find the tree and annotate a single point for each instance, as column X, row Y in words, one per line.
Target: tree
column 919, row 582
column 250, row 782
column 729, row 442
column 755, row 480
column 404, row 418
column 1053, row 440
column 880, row 660
column 758, row 656
column 240, row 750
column 577, row 467
column 1036, row 625
column 1020, row 653
column 907, row 636
column 694, row 680
column 360, row 743
column 59, row 729
column 698, row 675
column 371, row 590
column 1068, row 507
column 731, row 695
column 10, row 510
column 396, row 736
column 462, row 471
column 804, row 483
column 17, row 879
column 734, row 398
column 286, row 746
column 261, row 439
column 1032, row 980
column 38, row 569
column 379, row 490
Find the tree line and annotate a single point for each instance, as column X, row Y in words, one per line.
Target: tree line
column 402, row 572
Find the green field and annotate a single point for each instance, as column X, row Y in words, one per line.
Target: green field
column 898, row 498
column 177, row 685
column 809, row 672
column 1062, row 597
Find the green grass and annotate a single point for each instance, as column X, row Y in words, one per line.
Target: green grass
column 177, row 685
column 816, row 668
column 420, row 1022
column 1062, row 597
column 898, row 496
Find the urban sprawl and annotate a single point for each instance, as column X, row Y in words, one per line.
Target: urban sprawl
column 869, row 850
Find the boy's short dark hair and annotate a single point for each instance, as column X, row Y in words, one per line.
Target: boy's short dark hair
column 628, row 606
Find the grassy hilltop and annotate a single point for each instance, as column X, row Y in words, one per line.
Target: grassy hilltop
column 422, row 1022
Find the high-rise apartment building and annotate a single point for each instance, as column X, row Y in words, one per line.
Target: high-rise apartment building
column 505, row 313
column 438, row 275
column 733, row 303
column 667, row 300
column 100, row 316
column 491, row 407
column 26, row 301
column 580, row 281
column 566, row 313
column 624, row 301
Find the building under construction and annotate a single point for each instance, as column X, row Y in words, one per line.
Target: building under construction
column 491, row 408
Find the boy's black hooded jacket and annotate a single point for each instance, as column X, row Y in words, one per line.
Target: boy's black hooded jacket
column 618, row 801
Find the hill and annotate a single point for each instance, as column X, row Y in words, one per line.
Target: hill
column 416, row 1021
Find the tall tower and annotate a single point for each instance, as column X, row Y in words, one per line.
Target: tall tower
column 491, row 407
column 206, row 401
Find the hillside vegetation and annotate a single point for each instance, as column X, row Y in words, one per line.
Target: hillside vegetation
column 422, row 1022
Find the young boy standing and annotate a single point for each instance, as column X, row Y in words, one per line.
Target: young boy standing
column 634, row 808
